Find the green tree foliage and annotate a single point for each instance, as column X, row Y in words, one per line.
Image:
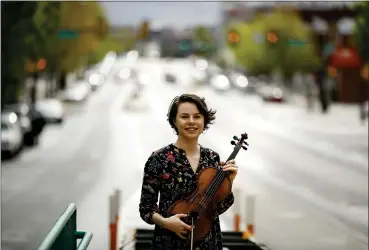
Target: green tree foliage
column 107, row 45
column 204, row 41
column 88, row 19
column 29, row 32
column 17, row 23
column 292, row 52
column 362, row 29
column 251, row 52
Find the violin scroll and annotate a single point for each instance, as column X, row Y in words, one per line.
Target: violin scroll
column 240, row 143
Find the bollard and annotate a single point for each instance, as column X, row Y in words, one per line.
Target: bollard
column 250, row 214
column 238, row 209
column 117, row 193
column 114, row 203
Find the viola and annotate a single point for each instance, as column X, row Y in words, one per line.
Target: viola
column 213, row 186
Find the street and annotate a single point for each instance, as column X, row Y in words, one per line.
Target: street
column 310, row 184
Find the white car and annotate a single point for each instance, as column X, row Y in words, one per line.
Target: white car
column 11, row 134
column 78, row 92
column 51, row 109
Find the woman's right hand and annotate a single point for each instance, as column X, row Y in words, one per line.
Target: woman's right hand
column 177, row 226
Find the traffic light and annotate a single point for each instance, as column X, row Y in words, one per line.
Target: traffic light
column 233, row 37
column 144, row 30
column 272, row 37
column 41, row 64
column 332, row 71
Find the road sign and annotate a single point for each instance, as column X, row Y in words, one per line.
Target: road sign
column 67, row 34
column 295, row 42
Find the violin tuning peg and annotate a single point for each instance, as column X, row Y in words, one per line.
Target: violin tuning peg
column 246, row 143
column 236, row 138
column 233, row 142
column 244, row 147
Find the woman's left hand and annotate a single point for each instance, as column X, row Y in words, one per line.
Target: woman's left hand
column 230, row 166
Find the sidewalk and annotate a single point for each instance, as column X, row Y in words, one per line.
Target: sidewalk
column 340, row 118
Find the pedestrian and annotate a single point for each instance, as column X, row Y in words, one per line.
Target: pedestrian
column 172, row 171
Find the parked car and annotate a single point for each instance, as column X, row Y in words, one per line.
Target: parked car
column 78, row 92
column 11, row 134
column 51, row 109
column 170, row 78
column 32, row 122
column 272, row 94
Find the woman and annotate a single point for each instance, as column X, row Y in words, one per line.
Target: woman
column 172, row 172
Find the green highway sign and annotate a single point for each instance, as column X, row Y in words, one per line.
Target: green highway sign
column 295, row 42
column 67, row 34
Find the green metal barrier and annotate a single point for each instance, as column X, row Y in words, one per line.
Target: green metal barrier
column 64, row 234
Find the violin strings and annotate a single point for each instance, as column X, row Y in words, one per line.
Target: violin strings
column 215, row 185
column 206, row 199
column 212, row 190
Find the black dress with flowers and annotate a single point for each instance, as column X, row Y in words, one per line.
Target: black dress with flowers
column 168, row 172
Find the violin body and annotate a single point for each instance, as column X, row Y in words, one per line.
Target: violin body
column 194, row 202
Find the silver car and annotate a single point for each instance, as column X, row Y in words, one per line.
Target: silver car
column 11, row 134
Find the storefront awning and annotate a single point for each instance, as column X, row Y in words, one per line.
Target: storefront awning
column 345, row 58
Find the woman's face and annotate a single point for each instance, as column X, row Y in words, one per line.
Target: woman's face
column 189, row 121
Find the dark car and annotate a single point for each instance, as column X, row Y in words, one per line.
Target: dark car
column 170, row 78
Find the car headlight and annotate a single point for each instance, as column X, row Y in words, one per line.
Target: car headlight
column 242, row 82
column 124, row 73
column 221, row 82
column 277, row 93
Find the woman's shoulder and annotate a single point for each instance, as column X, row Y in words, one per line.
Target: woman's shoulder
column 209, row 151
column 162, row 152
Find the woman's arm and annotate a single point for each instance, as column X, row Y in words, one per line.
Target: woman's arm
column 159, row 220
column 150, row 192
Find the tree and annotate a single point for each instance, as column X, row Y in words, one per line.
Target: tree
column 204, row 41
column 41, row 42
column 289, row 43
column 30, row 32
column 17, row 22
column 89, row 21
column 362, row 30
column 250, row 52
column 276, row 42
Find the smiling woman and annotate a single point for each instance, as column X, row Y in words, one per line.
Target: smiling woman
column 173, row 170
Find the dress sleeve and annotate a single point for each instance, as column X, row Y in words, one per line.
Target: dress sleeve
column 223, row 206
column 150, row 190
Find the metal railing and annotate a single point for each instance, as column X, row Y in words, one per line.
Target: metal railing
column 64, row 234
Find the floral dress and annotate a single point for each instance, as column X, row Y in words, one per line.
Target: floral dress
column 168, row 172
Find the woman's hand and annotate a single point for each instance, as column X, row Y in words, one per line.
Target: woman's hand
column 232, row 167
column 177, row 226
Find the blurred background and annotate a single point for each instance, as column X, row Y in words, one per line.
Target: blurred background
column 85, row 84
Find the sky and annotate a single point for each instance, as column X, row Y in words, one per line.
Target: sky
column 174, row 14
